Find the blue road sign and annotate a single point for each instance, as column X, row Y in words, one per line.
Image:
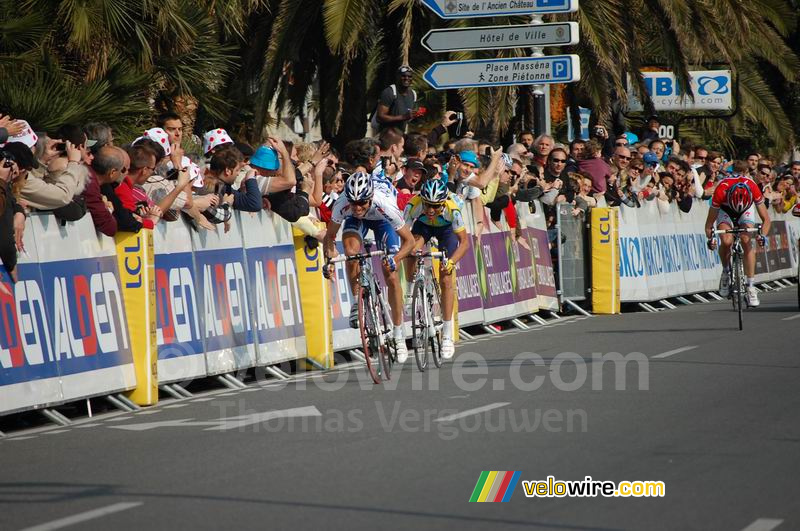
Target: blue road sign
column 497, row 8
column 500, row 72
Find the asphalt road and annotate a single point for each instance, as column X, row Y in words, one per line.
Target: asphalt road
column 712, row 412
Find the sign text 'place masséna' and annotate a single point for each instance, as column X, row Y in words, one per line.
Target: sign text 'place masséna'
column 499, row 72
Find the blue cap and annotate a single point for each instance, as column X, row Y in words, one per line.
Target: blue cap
column 470, row 157
column 632, row 137
column 650, row 158
column 265, row 158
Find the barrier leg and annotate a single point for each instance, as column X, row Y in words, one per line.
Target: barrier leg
column 715, row 296
column 277, row 373
column 235, row 381
column 2, row 435
column 554, row 315
column 117, row 403
column 537, row 319
column 227, row 383
column 489, row 329
column 699, row 297
column 646, row 307
column 577, row 308
column 56, row 417
column 464, row 334
column 181, row 390
column 125, row 400
column 171, row 392
column 684, row 300
column 519, row 324
column 357, row 354
column 668, row 304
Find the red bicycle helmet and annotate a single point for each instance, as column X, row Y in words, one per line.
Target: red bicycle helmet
column 740, row 198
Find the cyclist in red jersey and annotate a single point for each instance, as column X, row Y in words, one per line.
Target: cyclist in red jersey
column 734, row 204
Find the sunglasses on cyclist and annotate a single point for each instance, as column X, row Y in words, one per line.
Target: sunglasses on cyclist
column 363, row 203
column 435, row 206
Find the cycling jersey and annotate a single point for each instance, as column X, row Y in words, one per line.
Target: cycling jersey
column 383, row 208
column 450, row 215
column 720, row 198
column 383, row 218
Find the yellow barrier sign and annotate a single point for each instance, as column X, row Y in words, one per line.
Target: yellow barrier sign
column 315, row 299
column 605, row 260
column 137, row 272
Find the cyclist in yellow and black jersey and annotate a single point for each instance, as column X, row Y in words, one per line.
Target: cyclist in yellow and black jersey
column 436, row 212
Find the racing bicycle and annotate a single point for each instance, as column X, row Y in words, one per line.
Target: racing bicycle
column 374, row 318
column 738, row 285
column 426, row 312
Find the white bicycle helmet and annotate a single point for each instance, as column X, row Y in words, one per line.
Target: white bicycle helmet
column 359, row 187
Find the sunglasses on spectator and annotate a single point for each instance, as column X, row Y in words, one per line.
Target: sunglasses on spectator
column 515, row 175
column 8, row 163
column 558, row 161
column 637, row 168
column 766, row 173
column 623, row 157
column 701, row 158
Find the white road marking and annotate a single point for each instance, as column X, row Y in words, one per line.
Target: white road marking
column 90, row 425
column 224, row 424
column 55, row 431
column 148, row 412
column 470, row 412
column 84, row 517
column 792, row 318
column 175, row 406
column 118, row 419
column 203, row 399
column 257, row 418
column 763, row 524
column 669, row 353
column 21, row 438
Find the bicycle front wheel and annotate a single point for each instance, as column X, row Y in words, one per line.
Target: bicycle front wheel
column 369, row 337
column 437, row 322
column 419, row 326
column 387, row 351
column 738, row 269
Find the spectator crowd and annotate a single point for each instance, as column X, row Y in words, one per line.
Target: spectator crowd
column 80, row 169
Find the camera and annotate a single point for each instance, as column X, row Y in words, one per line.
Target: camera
column 599, row 131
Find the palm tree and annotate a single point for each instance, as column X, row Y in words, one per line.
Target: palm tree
column 117, row 60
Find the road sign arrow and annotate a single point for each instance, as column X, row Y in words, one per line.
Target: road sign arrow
column 503, row 72
column 470, row 9
column 499, row 37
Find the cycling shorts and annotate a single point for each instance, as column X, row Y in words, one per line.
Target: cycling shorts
column 385, row 236
column 444, row 235
column 748, row 218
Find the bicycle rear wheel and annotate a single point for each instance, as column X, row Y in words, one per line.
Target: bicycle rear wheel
column 419, row 326
column 435, row 309
column 369, row 337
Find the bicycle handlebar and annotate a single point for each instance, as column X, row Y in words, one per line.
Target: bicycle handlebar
column 359, row 256
column 738, row 231
column 432, row 254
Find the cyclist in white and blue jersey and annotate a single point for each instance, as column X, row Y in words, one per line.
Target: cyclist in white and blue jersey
column 363, row 207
